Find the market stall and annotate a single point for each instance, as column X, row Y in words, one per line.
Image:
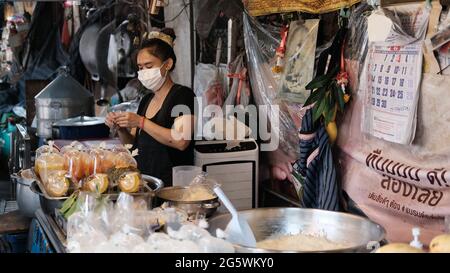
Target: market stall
column 306, row 126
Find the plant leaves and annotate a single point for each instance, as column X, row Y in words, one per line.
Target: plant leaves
column 315, row 96
column 319, row 109
column 318, row 82
column 329, row 115
column 339, row 97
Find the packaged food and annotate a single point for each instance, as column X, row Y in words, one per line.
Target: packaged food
column 48, row 160
column 102, row 160
column 78, row 163
column 57, row 184
column 124, row 160
column 96, row 183
column 130, row 182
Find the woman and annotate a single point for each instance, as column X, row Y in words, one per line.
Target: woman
column 163, row 140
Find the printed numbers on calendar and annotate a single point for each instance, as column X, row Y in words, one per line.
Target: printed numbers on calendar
column 402, row 82
column 386, row 80
column 394, row 80
column 392, row 93
column 400, row 94
column 388, row 69
column 385, row 92
column 383, row 104
column 378, row 102
column 378, row 91
column 373, row 101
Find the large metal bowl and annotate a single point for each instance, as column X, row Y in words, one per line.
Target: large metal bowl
column 355, row 231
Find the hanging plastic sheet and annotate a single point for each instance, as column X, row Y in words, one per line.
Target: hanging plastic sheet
column 357, row 39
column 299, row 60
column 260, row 47
column 392, row 75
column 239, row 92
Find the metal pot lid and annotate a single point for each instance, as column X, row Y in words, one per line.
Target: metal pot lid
column 64, row 87
column 80, row 121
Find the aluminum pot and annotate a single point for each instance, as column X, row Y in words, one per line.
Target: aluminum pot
column 357, row 232
column 27, row 201
column 63, row 98
column 172, row 196
column 49, row 204
column 82, row 127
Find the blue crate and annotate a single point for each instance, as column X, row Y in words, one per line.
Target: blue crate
column 13, row 243
column 39, row 242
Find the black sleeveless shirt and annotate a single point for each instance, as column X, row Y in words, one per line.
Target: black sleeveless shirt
column 157, row 159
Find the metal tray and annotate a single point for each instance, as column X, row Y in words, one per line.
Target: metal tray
column 49, row 203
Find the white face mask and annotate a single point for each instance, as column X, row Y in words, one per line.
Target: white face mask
column 151, row 78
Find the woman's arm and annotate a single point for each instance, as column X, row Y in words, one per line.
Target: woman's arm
column 125, row 136
column 178, row 137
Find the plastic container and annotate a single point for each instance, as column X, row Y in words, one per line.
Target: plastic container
column 183, row 175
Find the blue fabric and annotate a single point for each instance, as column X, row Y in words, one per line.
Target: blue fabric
column 321, row 189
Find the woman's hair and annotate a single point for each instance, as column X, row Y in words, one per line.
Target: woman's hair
column 159, row 48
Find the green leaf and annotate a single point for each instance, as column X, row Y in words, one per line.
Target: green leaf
column 339, row 96
column 319, row 109
column 315, row 96
column 318, row 82
column 68, row 203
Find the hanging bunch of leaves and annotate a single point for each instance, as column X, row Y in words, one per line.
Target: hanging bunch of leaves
column 329, row 94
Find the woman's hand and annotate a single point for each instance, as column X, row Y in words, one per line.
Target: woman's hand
column 110, row 119
column 128, row 120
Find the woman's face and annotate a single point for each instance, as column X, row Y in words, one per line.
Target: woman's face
column 145, row 60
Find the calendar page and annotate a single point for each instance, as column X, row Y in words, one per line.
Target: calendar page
column 391, row 83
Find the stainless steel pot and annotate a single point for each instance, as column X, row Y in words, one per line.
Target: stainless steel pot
column 172, row 196
column 27, row 201
column 49, row 204
column 63, row 98
column 82, row 127
column 357, row 232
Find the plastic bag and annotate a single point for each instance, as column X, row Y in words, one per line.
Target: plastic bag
column 201, row 188
column 239, row 92
column 260, row 47
column 77, row 161
column 48, row 161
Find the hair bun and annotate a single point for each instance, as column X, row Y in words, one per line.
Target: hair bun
column 170, row 32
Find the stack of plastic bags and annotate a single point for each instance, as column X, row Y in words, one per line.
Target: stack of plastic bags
column 128, row 227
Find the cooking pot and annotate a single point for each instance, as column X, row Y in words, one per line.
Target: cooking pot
column 173, row 197
column 356, row 232
column 63, row 98
column 50, row 204
column 27, row 201
column 82, row 127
